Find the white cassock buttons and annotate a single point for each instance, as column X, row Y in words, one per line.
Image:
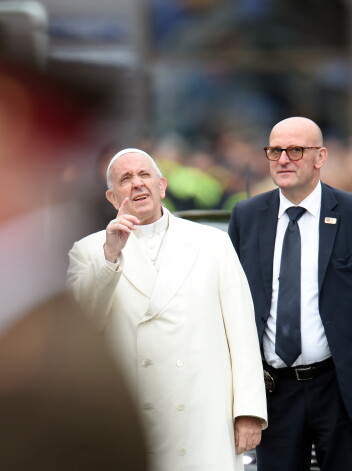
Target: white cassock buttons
column 181, row 407
column 146, row 363
column 179, row 363
column 181, row 451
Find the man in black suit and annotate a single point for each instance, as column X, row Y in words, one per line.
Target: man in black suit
column 309, row 396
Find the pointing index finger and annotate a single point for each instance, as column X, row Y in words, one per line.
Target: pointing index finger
column 123, row 207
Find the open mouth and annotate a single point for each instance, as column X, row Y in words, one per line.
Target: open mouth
column 140, row 197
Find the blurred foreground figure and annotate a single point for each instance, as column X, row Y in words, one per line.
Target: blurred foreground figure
column 175, row 304
column 46, row 127
column 63, row 405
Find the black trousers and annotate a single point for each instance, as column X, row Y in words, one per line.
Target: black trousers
column 301, row 413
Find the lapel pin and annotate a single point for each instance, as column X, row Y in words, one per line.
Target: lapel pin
column 330, row 220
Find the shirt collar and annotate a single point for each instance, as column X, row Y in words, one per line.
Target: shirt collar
column 311, row 203
column 155, row 227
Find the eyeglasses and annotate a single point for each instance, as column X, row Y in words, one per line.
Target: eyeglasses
column 293, row 152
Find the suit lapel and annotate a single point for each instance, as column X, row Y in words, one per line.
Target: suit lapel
column 268, row 221
column 327, row 230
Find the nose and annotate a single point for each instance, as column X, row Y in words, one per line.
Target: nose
column 284, row 159
column 137, row 181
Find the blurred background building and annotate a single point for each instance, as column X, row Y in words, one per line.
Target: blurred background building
column 197, row 83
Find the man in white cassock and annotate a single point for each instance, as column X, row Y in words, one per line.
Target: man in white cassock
column 174, row 302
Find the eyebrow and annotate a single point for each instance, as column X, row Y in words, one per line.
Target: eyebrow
column 125, row 174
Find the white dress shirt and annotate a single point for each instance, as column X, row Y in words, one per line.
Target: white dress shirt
column 314, row 343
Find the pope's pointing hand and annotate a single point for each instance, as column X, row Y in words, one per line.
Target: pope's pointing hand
column 118, row 232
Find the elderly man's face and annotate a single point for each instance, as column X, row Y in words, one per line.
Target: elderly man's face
column 296, row 178
column 133, row 176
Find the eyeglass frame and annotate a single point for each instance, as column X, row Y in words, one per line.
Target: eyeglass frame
column 289, row 147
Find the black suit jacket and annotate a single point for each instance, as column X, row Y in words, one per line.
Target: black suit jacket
column 253, row 230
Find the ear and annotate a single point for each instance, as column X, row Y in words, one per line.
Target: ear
column 163, row 185
column 110, row 196
column 321, row 157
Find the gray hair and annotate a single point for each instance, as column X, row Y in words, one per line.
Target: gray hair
column 128, row 151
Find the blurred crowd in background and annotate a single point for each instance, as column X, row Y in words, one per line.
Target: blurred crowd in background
column 196, row 83
column 216, row 174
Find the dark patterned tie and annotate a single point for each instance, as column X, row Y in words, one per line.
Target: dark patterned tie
column 288, row 322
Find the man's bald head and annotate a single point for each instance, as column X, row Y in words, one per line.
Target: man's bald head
column 305, row 124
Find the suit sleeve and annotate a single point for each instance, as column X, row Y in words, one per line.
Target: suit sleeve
column 241, row 332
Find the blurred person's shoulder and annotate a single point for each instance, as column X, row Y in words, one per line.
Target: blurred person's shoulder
column 54, row 360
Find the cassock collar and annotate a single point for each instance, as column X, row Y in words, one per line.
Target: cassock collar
column 158, row 226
